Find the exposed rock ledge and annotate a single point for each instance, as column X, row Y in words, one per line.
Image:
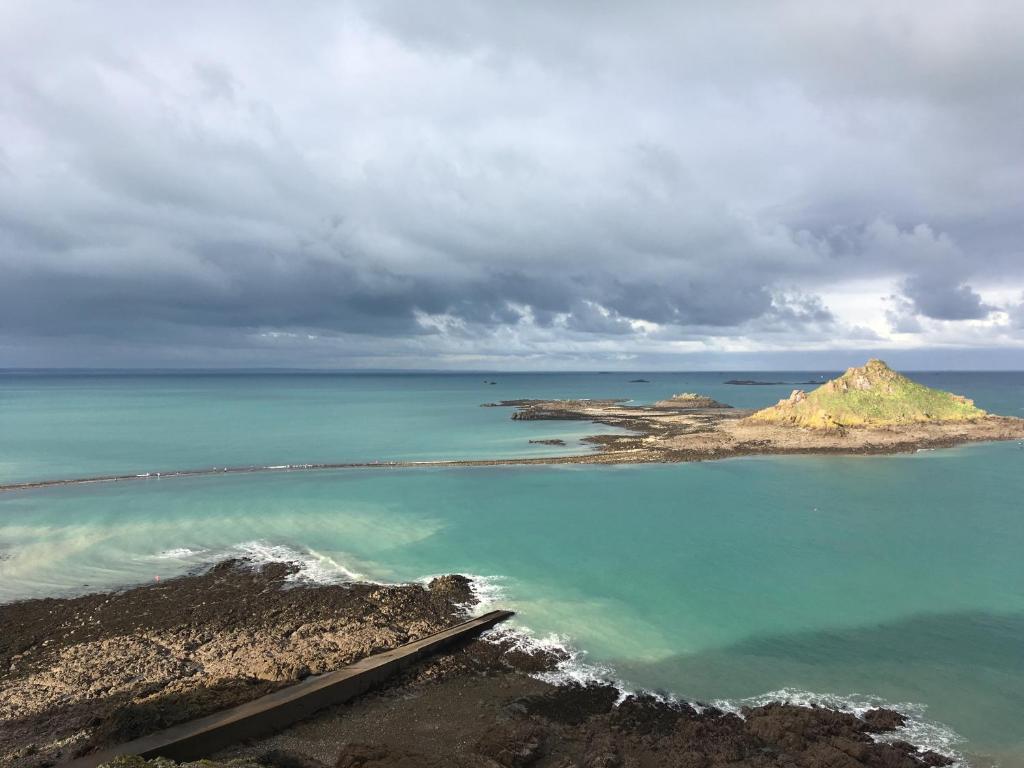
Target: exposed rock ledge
column 688, row 400
column 88, row 671
column 870, row 409
column 701, row 434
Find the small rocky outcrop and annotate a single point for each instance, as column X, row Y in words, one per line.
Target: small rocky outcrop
column 687, row 400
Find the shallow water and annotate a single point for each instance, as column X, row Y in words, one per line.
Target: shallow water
column 894, row 577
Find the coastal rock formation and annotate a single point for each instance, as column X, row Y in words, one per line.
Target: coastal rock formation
column 466, row 711
column 92, row 670
column 554, row 410
column 102, row 668
column 872, row 395
column 867, row 410
column 689, row 400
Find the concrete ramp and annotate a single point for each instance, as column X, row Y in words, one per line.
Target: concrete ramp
column 270, row 713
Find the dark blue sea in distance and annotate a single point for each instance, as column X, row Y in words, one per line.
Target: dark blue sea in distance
column 844, row 580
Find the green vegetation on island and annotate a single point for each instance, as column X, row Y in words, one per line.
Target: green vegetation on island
column 869, row 396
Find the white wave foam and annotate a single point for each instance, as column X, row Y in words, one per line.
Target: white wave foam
column 180, row 553
column 920, row 731
column 488, row 593
column 572, row 667
column 314, row 567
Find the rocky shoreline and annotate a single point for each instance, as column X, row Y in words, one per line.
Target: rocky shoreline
column 85, row 672
column 694, row 428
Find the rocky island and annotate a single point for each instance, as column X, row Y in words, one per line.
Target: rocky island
column 870, row 409
column 871, row 396
column 83, row 673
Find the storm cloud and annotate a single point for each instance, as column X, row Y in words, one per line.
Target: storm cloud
column 463, row 184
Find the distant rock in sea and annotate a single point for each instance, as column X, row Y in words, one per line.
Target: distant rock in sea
column 690, row 400
column 756, row 383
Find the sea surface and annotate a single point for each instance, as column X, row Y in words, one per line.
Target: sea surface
column 845, row 580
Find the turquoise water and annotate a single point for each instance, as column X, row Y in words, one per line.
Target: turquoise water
column 893, row 577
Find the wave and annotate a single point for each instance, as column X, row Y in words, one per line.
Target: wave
column 487, row 592
column 572, row 667
column 313, row 567
column 180, row 553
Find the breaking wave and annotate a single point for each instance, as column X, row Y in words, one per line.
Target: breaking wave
column 313, row 567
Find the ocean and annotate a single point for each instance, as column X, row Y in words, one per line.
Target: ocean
column 851, row 581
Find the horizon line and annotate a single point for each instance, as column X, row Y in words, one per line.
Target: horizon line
column 458, row 371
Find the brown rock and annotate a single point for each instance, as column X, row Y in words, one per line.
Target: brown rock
column 514, row 744
column 881, row 720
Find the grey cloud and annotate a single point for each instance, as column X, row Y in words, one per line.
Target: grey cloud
column 1016, row 314
column 345, row 170
column 796, row 310
column 902, row 315
column 938, row 298
column 588, row 317
column 217, row 82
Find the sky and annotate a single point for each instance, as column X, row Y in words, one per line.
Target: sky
column 531, row 185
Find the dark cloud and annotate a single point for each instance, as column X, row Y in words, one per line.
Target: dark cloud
column 588, row 317
column 938, row 298
column 901, row 315
column 369, row 182
column 798, row 311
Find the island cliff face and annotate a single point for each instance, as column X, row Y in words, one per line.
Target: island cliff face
column 873, row 395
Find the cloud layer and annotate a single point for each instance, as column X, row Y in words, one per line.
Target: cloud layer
column 457, row 184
